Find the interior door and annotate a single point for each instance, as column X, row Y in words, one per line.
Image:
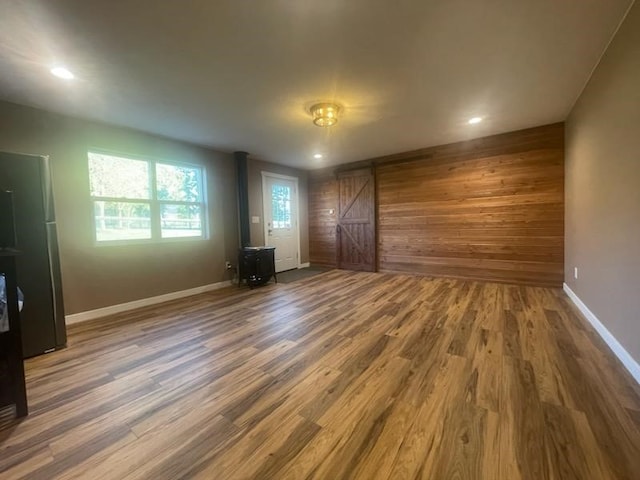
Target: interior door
column 356, row 229
column 280, row 200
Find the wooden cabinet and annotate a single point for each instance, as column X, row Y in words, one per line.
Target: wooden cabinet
column 12, row 385
column 256, row 265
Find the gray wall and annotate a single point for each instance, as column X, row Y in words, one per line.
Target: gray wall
column 98, row 276
column 602, row 226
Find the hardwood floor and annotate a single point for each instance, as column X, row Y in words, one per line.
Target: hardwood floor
column 341, row 375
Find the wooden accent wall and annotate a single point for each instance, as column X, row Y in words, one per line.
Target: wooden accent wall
column 323, row 197
column 487, row 209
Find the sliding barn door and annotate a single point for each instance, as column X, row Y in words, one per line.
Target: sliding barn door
column 356, row 229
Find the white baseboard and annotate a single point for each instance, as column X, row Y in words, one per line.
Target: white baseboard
column 624, row 356
column 143, row 302
column 304, row 265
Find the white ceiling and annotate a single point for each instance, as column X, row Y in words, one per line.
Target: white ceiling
column 241, row 74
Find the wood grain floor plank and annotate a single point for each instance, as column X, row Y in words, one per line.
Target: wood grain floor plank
column 341, row 375
column 418, row 454
column 522, row 434
column 491, row 450
column 487, row 362
column 565, row 453
column 41, row 460
column 462, row 445
column 379, row 459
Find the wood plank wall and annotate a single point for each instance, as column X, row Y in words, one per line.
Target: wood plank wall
column 323, row 197
column 486, row 209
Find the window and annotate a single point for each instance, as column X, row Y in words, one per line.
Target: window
column 281, row 206
column 141, row 200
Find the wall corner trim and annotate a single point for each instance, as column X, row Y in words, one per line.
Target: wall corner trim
column 143, row 302
column 615, row 346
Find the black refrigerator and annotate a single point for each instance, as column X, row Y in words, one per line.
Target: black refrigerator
column 38, row 266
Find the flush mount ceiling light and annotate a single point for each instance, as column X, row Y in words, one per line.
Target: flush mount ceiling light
column 62, row 72
column 317, row 155
column 325, row 114
column 474, row 120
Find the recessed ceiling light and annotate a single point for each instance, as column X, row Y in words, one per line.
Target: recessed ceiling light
column 62, row 72
column 317, row 155
column 475, row 120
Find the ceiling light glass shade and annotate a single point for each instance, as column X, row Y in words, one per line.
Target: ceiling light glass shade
column 325, row 114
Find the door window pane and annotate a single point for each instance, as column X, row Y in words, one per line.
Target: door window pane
column 281, row 206
column 122, row 221
column 180, row 220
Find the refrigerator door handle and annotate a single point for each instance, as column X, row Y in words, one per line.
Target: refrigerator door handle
column 56, row 284
column 47, row 190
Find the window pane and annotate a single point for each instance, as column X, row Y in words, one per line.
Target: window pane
column 180, row 221
column 281, row 206
column 179, row 183
column 122, row 221
column 118, row 177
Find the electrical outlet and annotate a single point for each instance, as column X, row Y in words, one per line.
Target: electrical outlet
column 227, row 264
column 575, row 272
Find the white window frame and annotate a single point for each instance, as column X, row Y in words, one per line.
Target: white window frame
column 153, row 202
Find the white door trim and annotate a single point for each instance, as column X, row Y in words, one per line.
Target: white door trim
column 266, row 175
